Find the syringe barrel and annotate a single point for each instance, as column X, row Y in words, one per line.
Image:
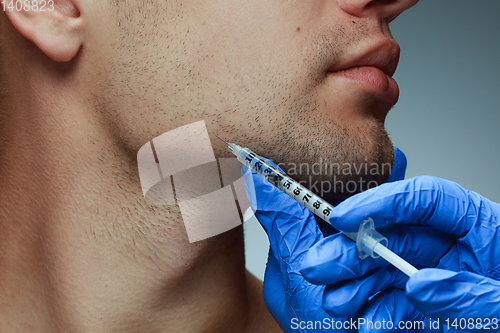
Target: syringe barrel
column 288, row 185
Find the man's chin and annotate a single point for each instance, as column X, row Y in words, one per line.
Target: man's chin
column 336, row 161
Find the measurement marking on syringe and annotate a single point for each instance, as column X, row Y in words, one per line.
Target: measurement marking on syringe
column 284, row 182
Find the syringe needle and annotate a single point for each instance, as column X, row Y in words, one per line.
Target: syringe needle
column 235, row 149
column 222, row 139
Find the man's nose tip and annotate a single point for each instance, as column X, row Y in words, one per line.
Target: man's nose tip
column 383, row 9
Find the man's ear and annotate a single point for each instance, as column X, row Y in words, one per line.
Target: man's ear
column 55, row 26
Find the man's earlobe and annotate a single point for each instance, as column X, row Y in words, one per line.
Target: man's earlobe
column 55, row 26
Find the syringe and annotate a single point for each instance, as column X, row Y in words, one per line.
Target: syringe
column 368, row 241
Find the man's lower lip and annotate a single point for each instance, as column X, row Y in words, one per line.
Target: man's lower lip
column 371, row 80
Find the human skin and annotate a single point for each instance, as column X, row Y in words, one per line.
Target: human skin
column 83, row 87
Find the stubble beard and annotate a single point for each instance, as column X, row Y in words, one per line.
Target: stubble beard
column 335, row 161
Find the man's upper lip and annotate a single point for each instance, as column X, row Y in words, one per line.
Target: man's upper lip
column 383, row 55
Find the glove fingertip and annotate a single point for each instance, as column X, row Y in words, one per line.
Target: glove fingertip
column 399, row 166
column 426, row 279
column 310, row 273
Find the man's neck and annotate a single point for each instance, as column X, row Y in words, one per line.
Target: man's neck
column 80, row 249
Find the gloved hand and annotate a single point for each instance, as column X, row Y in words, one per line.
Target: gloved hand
column 294, row 302
column 437, row 223
column 292, row 230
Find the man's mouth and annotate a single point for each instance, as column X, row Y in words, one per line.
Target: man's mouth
column 371, row 70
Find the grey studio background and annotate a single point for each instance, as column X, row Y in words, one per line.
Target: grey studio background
column 448, row 115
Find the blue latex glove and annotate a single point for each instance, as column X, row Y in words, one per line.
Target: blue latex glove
column 292, row 230
column 457, row 232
